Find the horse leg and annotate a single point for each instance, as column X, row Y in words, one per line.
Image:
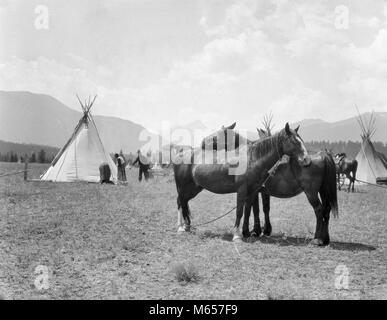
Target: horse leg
column 241, row 200
column 350, row 180
column 266, row 209
column 338, row 181
column 183, row 211
column 354, row 170
column 180, row 220
column 318, row 210
column 246, row 218
column 257, row 230
column 344, row 176
column 326, row 215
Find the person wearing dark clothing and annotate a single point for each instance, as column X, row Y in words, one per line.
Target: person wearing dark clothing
column 120, row 161
column 143, row 166
column 105, row 173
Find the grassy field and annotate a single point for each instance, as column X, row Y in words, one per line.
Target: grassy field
column 120, row 242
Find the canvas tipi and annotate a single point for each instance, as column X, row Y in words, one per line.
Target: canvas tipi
column 371, row 164
column 81, row 156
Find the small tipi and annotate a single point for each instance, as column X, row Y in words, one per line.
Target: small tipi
column 371, row 163
column 81, row 156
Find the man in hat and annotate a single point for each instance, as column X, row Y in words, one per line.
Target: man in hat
column 144, row 166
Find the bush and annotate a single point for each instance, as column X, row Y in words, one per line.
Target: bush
column 184, row 273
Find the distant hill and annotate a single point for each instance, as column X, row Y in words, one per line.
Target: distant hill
column 343, row 130
column 41, row 119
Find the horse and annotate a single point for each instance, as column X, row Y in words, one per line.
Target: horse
column 243, row 174
column 289, row 180
column 346, row 166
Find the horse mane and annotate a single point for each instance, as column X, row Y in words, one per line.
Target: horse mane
column 263, row 146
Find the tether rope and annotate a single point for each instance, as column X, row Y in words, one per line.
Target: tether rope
column 13, row 173
column 372, row 184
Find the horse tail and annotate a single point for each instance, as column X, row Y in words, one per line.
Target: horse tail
column 329, row 183
column 181, row 175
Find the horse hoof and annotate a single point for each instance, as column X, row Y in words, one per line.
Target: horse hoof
column 181, row 229
column 317, row 242
column 255, row 234
column 267, row 231
column 237, row 238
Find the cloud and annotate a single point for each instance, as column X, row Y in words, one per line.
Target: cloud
column 234, row 61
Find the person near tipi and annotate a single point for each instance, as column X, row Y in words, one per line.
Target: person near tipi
column 120, row 161
column 143, row 163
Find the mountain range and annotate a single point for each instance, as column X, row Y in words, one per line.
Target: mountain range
column 343, row 130
column 41, row 119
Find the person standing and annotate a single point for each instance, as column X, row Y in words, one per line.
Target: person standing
column 120, row 162
column 143, row 166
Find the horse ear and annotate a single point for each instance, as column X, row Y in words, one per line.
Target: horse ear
column 262, row 133
column 287, row 129
column 232, row 126
column 297, row 129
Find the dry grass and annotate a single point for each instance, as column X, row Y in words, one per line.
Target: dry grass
column 120, row 242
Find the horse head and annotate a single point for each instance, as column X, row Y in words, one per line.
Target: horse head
column 293, row 145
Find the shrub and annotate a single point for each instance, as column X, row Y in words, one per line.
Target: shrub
column 185, row 273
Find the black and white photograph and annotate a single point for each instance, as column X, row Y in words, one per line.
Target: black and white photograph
column 168, row 151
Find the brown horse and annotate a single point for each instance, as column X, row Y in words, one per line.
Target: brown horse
column 347, row 167
column 290, row 180
column 242, row 174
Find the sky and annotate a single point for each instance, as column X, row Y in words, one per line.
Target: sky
column 217, row 61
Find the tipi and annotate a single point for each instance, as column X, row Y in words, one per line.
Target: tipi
column 371, row 163
column 81, row 156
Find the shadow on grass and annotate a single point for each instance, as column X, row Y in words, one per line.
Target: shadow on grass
column 281, row 240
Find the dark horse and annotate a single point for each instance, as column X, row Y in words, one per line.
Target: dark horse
column 289, row 180
column 346, row 166
column 242, row 174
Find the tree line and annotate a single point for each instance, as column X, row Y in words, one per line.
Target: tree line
column 34, row 157
column 351, row 148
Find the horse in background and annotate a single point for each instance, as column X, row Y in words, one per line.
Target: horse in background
column 348, row 168
column 194, row 171
column 291, row 179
